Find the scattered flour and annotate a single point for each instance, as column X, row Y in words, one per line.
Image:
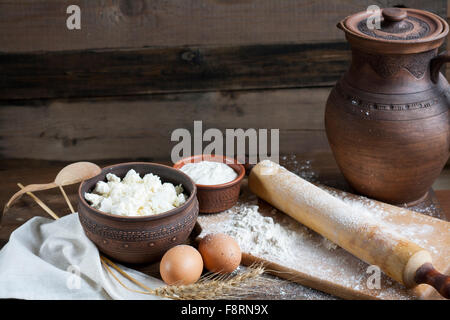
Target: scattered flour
column 275, row 237
column 260, row 235
column 329, row 244
column 278, row 238
column 302, row 168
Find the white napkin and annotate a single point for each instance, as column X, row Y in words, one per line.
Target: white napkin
column 48, row 259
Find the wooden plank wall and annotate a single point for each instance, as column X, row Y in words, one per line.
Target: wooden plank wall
column 138, row 69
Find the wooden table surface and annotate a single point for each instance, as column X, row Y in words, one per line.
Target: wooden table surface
column 317, row 167
column 320, row 167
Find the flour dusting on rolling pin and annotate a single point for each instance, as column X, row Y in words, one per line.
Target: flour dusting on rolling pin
column 355, row 231
column 209, row 172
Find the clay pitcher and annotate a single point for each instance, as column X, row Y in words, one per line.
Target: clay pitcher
column 387, row 118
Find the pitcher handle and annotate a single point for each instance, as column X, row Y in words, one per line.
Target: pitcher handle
column 436, row 64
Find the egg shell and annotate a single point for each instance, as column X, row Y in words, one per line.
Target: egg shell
column 181, row 265
column 220, row 253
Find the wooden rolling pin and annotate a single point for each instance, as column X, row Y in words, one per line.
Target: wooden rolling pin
column 357, row 232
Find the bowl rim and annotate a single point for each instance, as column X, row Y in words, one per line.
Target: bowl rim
column 180, row 163
column 165, row 214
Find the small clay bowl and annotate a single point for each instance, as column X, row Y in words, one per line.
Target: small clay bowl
column 143, row 239
column 219, row 197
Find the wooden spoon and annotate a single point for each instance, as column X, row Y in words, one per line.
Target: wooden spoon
column 71, row 174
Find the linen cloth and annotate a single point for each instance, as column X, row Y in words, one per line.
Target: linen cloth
column 53, row 259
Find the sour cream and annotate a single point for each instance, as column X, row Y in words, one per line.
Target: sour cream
column 209, row 172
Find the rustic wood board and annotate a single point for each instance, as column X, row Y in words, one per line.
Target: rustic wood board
column 55, row 129
column 52, row 129
column 40, row 25
column 116, row 72
column 130, row 47
column 345, row 275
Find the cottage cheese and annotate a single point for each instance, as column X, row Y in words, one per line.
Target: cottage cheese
column 135, row 196
column 209, row 173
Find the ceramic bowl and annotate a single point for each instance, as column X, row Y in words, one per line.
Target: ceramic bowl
column 219, row 197
column 141, row 239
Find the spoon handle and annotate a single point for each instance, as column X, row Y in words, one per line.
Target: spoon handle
column 29, row 188
column 67, row 199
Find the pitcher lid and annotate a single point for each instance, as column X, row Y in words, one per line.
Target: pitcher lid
column 395, row 30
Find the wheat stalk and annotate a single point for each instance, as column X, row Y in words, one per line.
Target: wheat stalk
column 210, row 286
column 214, row 286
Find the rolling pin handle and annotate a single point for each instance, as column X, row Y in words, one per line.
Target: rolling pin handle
column 429, row 275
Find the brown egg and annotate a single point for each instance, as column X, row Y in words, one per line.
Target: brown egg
column 220, row 253
column 181, row 265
